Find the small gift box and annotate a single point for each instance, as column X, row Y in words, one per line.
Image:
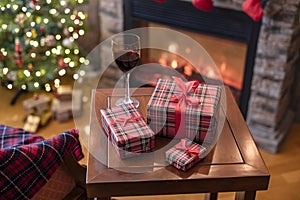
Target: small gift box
column 127, row 130
column 184, row 109
column 185, row 154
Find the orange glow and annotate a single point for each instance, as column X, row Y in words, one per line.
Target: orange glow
column 223, row 67
column 162, row 61
column 188, row 70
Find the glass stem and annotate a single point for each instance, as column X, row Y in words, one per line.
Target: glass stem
column 127, row 89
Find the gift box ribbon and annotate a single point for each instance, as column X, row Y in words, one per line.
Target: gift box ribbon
column 126, row 120
column 182, row 99
column 183, row 146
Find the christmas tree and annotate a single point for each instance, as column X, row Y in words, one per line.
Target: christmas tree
column 38, row 42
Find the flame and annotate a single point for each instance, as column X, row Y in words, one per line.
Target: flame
column 174, row 64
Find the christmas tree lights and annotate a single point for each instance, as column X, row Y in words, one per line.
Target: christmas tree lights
column 38, row 42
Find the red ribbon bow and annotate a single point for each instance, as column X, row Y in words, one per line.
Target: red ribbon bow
column 183, row 146
column 182, row 100
column 126, row 120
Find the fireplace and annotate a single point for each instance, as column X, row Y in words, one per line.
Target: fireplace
column 270, row 94
column 221, row 50
column 183, row 16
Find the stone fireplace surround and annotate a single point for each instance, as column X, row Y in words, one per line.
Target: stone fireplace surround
column 275, row 91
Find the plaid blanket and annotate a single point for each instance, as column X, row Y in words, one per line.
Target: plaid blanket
column 27, row 161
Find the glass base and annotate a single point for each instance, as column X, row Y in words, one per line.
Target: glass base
column 134, row 101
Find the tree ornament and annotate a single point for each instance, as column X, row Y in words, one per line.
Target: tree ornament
column 12, row 75
column 42, row 28
column 43, row 41
column 61, row 63
column 30, row 67
column 34, row 2
column 253, row 9
column 20, row 18
column 66, row 32
column 204, row 5
column 2, row 57
column 34, row 33
column 50, row 40
column 18, row 53
column 17, row 45
column 67, row 42
column 38, row 19
column 20, row 62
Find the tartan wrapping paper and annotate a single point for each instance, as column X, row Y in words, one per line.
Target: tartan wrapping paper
column 129, row 137
column 200, row 119
column 181, row 158
column 28, row 161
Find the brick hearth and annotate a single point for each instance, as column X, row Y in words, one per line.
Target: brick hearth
column 274, row 93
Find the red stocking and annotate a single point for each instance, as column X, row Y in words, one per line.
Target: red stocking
column 204, row 5
column 160, row 1
column 253, row 9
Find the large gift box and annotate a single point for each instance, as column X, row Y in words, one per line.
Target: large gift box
column 185, row 154
column 184, row 109
column 127, row 130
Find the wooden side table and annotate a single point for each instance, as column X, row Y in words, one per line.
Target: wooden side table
column 234, row 165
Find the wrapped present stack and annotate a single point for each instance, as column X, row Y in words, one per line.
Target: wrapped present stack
column 176, row 109
column 37, row 103
column 67, row 104
column 37, row 112
column 127, row 130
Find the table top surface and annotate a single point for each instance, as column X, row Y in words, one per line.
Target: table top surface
column 234, row 164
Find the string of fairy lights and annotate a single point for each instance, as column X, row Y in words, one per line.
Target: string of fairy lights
column 38, row 42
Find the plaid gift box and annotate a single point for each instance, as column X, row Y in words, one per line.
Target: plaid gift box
column 127, row 130
column 185, row 154
column 184, row 109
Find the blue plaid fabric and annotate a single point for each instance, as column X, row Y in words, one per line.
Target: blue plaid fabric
column 27, row 161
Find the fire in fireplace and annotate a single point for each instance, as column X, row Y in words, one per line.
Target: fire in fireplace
column 221, row 50
column 216, row 30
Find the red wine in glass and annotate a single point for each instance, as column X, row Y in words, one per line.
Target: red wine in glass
column 127, row 59
column 126, row 52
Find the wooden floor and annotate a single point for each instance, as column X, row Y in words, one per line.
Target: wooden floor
column 284, row 166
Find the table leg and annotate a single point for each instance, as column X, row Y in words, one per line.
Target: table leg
column 247, row 195
column 211, row 196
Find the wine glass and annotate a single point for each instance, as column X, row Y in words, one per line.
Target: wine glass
column 126, row 53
